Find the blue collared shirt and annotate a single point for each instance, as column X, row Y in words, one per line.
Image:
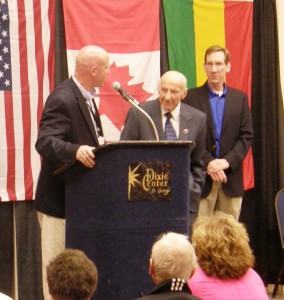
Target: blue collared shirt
column 217, row 103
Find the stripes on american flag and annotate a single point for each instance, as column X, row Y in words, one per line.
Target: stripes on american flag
column 27, row 51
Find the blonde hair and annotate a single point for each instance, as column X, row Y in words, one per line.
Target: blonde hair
column 222, row 246
column 173, row 257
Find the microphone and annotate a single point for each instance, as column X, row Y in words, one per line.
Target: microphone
column 117, row 86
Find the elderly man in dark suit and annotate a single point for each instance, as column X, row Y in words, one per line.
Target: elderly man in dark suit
column 187, row 123
column 69, row 131
column 229, row 135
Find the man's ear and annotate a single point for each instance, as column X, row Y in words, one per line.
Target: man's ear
column 228, row 67
column 151, row 268
column 193, row 271
column 184, row 93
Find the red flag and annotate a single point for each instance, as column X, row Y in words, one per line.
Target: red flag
column 25, row 75
column 129, row 31
column 241, row 53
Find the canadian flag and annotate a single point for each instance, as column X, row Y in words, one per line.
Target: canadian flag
column 129, row 31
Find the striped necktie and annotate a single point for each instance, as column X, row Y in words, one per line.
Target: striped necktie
column 169, row 130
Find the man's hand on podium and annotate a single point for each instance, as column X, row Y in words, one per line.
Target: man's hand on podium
column 86, row 156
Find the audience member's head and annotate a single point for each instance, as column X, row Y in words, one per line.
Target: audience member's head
column 222, row 246
column 72, row 275
column 172, row 257
column 4, row 297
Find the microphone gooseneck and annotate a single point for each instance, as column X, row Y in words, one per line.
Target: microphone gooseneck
column 117, row 86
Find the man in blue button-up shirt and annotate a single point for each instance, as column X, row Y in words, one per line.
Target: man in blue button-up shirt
column 229, row 135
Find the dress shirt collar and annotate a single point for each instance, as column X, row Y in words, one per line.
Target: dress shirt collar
column 87, row 95
column 212, row 93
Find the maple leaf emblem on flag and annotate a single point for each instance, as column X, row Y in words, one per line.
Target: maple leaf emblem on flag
column 111, row 102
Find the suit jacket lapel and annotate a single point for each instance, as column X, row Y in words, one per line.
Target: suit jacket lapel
column 205, row 104
column 155, row 114
column 84, row 108
column 185, row 123
column 229, row 102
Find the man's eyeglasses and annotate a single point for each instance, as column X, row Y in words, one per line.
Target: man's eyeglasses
column 217, row 65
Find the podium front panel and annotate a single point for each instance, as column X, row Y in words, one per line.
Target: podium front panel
column 117, row 234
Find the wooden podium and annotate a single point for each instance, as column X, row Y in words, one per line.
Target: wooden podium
column 115, row 211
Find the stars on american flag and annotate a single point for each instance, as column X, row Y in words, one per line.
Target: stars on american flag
column 5, row 53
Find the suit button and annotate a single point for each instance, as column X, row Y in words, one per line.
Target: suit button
column 214, row 147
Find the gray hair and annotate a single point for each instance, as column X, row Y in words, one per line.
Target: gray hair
column 173, row 257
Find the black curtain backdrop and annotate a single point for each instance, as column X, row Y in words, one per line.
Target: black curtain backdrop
column 19, row 229
column 267, row 114
column 28, row 251
column 61, row 69
column 258, row 205
column 6, row 248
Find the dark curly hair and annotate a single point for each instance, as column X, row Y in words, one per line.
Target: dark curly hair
column 72, row 275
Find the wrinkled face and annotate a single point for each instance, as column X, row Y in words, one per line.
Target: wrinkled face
column 216, row 68
column 171, row 92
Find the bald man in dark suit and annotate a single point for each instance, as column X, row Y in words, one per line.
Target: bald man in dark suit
column 67, row 135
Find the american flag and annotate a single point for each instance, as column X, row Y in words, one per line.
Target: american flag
column 26, row 77
column 5, row 58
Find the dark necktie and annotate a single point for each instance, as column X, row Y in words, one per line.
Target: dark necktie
column 95, row 113
column 169, row 130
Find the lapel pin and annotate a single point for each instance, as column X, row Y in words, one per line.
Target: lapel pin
column 185, row 131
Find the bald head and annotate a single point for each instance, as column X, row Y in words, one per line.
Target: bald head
column 89, row 56
column 175, row 77
column 92, row 66
column 172, row 89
